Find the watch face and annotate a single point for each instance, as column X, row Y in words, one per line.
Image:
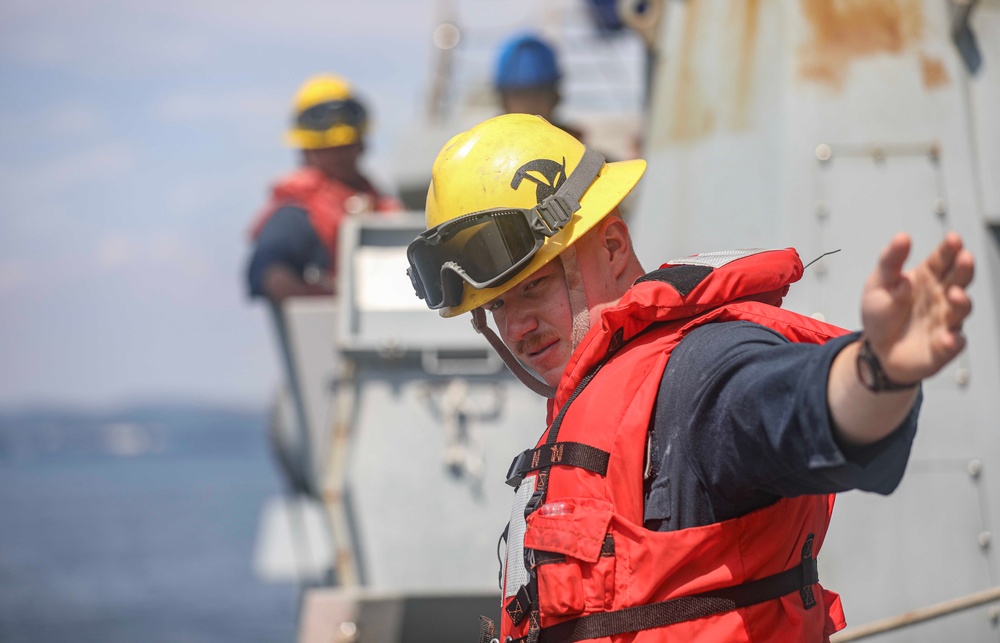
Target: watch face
column 866, row 371
column 873, row 377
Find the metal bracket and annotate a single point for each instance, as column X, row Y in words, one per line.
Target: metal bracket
column 963, row 36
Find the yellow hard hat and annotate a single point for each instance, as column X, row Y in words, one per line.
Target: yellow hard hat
column 485, row 184
column 326, row 114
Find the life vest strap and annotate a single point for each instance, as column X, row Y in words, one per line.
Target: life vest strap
column 574, row 454
column 687, row 608
column 547, row 557
column 520, row 606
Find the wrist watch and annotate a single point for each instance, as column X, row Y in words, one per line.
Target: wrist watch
column 871, row 374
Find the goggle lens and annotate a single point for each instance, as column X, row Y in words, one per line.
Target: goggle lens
column 484, row 249
column 323, row 116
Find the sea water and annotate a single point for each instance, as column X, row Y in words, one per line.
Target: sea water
column 137, row 525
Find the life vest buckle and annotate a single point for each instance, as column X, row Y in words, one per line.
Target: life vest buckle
column 515, row 474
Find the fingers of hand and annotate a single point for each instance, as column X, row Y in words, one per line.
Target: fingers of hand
column 946, row 344
column 959, row 307
column 890, row 262
column 962, row 269
column 941, row 260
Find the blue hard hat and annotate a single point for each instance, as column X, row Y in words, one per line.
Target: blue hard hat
column 526, row 61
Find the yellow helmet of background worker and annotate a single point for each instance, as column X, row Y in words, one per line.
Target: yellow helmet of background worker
column 506, row 170
column 326, row 114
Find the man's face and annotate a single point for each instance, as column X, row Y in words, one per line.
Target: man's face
column 536, row 323
column 336, row 162
column 540, row 101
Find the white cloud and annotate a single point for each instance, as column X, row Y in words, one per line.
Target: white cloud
column 108, row 37
column 75, row 225
column 104, row 162
column 99, row 37
column 75, row 120
column 162, row 251
column 114, row 251
column 227, row 106
column 319, row 21
column 166, row 247
column 13, row 273
column 171, row 250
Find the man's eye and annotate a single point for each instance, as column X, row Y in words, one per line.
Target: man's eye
column 494, row 305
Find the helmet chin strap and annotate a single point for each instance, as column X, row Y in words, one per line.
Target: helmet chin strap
column 581, row 325
column 577, row 295
column 518, row 369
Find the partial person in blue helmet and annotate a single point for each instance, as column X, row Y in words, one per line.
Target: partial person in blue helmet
column 528, row 78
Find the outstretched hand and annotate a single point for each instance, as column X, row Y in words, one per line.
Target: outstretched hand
column 914, row 319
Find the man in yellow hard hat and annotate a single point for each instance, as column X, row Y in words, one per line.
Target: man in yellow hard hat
column 295, row 235
column 696, row 430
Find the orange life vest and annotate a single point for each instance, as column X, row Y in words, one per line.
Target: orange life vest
column 579, row 561
column 326, row 201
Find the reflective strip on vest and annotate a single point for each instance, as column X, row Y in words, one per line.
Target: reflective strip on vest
column 716, row 259
column 515, row 573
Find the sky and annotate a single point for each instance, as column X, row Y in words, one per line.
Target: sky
column 137, row 140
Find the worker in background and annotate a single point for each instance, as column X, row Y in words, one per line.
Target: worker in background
column 527, row 78
column 696, row 431
column 295, row 235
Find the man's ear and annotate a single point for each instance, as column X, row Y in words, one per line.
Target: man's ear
column 615, row 241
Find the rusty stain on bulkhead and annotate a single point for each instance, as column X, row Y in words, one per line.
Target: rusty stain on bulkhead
column 933, row 72
column 699, row 101
column 746, row 13
column 691, row 117
column 846, row 30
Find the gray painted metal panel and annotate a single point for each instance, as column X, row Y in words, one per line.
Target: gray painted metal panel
column 310, row 323
column 436, row 421
column 984, row 94
column 832, row 125
column 427, row 520
column 413, row 422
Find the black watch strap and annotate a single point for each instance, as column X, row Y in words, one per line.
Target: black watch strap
column 871, row 374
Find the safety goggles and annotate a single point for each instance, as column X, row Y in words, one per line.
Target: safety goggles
column 323, row 116
column 487, row 248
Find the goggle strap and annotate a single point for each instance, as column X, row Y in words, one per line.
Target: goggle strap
column 549, row 216
column 555, row 211
column 515, row 367
column 418, row 286
column 579, row 180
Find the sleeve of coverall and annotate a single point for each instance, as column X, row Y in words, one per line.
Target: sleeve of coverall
column 744, row 412
column 288, row 239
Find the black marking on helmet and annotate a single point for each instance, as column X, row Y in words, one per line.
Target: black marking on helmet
column 553, row 173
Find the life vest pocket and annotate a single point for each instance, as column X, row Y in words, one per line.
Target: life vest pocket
column 572, row 551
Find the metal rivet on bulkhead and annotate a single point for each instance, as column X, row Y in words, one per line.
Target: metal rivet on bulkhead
column 822, row 209
column 358, row 203
column 878, row 153
column 994, row 615
column 940, row 207
column 348, row 632
column 975, row 467
column 962, row 376
column 818, row 316
column 446, row 36
column 984, row 539
column 389, row 348
column 824, row 152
